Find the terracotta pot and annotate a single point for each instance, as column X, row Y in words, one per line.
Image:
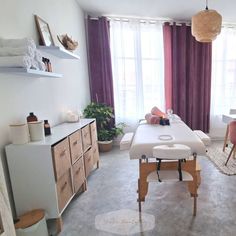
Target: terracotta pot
column 105, row 146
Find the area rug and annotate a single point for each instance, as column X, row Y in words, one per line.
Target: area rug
column 218, row 157
column 125, row 222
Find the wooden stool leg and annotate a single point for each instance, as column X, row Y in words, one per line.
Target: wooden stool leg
column 226, row 137
column 230, row 154
column 59, row 225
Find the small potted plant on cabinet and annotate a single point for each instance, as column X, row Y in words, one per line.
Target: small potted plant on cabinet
column 106, row 128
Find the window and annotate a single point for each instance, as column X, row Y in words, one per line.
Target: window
column 138, row 69
column 223, row 87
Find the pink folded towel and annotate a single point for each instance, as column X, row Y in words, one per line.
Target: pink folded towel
column 157, row 112
column 152, row 119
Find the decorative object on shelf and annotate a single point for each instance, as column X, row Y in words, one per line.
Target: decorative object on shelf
column 47, row 63
column 31, row 117
column 19, row 133
column 206, row 25
column 72, row 116
column 106, row 128
column 36, row 130
column 47, row 128
column 67, row 42
column 44, row 32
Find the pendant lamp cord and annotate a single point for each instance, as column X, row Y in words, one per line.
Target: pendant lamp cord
column 206, row 4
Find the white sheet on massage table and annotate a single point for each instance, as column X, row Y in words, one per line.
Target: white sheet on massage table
column 147, row 136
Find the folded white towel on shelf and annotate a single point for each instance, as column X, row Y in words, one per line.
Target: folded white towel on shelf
column 38, row 59
column 24, row 42
column 16, row 61
column 19, row 51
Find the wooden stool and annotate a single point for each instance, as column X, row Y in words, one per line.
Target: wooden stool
column 32, row 223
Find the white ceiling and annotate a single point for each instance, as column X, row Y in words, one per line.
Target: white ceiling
column 180, row 10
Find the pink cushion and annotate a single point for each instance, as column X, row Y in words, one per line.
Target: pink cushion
column 156, row 111
column 232, row 132
column 152, row 119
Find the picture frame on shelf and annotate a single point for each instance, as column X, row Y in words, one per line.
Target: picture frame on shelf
column 45, row 34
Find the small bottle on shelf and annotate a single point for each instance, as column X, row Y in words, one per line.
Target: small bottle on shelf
column 49, row 66
column 47, row 128
column 31, row 117
column 45, row 63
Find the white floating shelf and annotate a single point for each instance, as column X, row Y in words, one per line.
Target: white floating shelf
column 28, row 72
column 59, row 52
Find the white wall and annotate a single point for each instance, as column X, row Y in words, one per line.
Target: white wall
column 46, row 97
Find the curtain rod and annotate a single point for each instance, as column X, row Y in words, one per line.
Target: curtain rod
column 150, row 20
column 153, row 20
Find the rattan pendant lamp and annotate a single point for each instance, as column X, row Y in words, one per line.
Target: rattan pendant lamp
column 206, row 25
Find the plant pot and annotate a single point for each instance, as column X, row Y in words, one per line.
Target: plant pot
column 105, row 146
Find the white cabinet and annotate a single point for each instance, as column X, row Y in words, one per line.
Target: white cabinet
column 47, row 174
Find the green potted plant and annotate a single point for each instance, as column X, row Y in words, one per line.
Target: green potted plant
column 106, row 128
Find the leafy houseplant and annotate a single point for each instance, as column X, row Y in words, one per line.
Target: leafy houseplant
column 106, row 128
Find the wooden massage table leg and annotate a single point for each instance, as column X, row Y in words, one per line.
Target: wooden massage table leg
column 195, row 205
column 226, row 138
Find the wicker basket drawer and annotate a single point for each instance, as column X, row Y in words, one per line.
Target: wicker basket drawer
column 88, row 162
column 76, row 149
column 95, row 153
column 78, row 174
column 86, row 137
column 93, row 129
column 64, row 189
column 61, row 158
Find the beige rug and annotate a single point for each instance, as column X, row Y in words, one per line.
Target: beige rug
column 218, row 157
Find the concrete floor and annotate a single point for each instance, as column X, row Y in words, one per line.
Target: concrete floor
column 113, row 187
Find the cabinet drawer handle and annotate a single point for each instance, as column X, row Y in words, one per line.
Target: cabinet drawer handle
column 89, row 158
column 75, row 142
column 63, row 153
column 85, row 135
column 77, row 172
column 63, row 187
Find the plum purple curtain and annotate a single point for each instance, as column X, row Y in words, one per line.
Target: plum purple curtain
column 188, row 75
column 99, row 56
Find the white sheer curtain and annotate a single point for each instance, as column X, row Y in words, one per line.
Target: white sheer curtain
column 223, row 89
column 138, row 70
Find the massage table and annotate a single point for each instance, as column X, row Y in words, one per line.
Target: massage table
column 148, row 136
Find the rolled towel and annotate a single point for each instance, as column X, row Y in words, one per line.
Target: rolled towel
column 38, row 56
column 156, row 111
column 152, row 119
column 34, row 64
column 15, row 43
column 41, row 66
column 38, row 59
column 20, row 51
column 16, row 61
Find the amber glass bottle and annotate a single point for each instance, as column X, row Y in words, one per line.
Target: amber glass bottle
column 47, row 129
column 31, row 117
